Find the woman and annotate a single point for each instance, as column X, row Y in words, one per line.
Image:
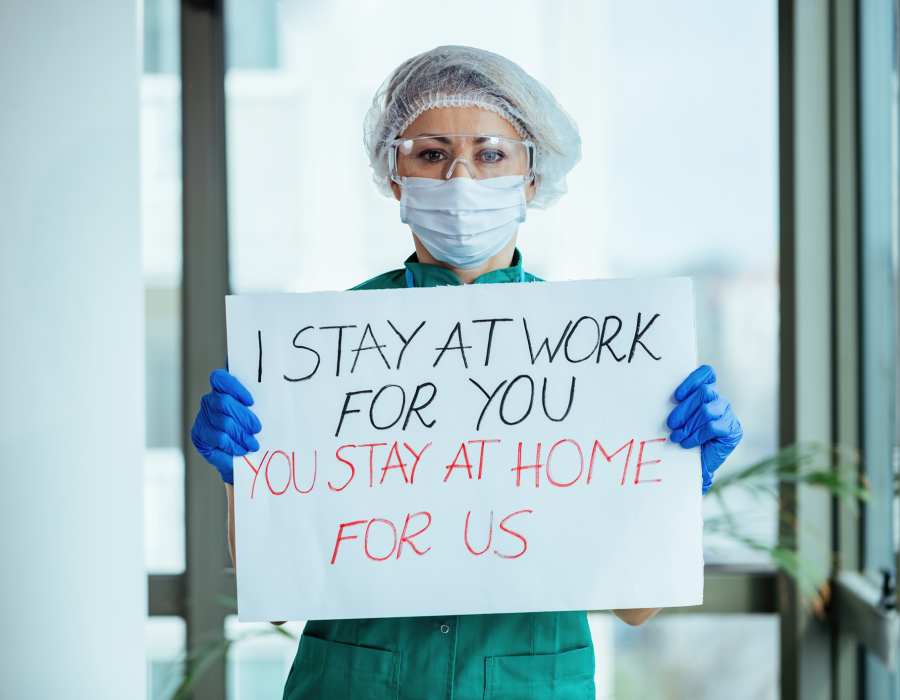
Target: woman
column 465, row 140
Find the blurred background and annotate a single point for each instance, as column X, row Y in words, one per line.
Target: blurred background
column 750, row 145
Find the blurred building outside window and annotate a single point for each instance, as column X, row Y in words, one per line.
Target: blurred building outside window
column 260, row 658
column 697, row 656
column 164, row 522
column 165, row 655
column 161, row 249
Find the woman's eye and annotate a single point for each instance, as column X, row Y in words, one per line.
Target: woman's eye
column 431, row 156
column 491, row 156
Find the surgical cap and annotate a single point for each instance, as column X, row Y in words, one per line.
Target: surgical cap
column 460, row 76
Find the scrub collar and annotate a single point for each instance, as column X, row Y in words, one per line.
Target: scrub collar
column 427, row 275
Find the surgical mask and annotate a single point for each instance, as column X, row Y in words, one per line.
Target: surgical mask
column 461, row 221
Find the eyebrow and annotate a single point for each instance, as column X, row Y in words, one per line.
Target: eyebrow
column 444, row 139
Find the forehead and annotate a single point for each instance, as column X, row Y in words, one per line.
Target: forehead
column 459, row 120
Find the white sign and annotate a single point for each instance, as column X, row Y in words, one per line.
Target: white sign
column 457, row 450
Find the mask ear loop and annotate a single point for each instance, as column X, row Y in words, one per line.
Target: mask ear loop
column 533, row 156
column 453, row 167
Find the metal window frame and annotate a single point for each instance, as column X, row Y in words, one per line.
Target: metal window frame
column 822, row 362
column 819, row 361
column 877, row 115
column 846, row 652
column 806, row 399
column 192, row 595
column 204, row 287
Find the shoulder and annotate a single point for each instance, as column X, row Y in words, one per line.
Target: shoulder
column 395, row 279
column 532, row 278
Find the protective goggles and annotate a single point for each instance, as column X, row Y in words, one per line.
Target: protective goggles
column 437, row 156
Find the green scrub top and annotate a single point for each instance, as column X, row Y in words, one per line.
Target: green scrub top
column 526, row 656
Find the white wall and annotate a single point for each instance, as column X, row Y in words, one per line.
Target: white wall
column 72, row 581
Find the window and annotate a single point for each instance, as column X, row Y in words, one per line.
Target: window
column 161, row 235
column 260, row 658
column 165, row 655
column 879, row 189
column 663, row 658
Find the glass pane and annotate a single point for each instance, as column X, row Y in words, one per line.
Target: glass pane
column 702, row 657
column 161, row 231
column 166, row 638
column 260, row 658
column 880, row 184
column 164, row 510
column 677, row 109
column 692, row 182
column 879, row 190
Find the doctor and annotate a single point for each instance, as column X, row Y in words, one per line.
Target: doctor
column 466, row 141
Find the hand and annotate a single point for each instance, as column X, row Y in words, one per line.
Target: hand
column 224, row 427
column 704, row 417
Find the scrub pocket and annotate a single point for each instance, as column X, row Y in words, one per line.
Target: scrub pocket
column 331, row 670
column 566, row 676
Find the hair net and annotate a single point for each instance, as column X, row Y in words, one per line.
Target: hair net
column 460, row 76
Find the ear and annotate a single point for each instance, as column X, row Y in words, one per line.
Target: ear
column 396, row 189
column 530, row 191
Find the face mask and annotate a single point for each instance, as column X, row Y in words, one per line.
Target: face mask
column 463, row 222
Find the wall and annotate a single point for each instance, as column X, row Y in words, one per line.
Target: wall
column 72, row 580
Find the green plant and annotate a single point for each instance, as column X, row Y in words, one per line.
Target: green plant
column 205, row 654
column 832, row 468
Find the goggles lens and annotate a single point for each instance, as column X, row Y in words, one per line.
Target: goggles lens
column 481, row 157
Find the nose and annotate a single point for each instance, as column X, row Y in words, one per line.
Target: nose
column 462, row 171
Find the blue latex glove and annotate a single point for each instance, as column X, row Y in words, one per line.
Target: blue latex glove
column 224, row 427
column 704, row 417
